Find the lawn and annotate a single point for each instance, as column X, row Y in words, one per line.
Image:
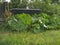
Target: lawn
column 28, row 38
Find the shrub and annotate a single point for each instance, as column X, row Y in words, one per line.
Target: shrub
column 55, row 21
column 19, row 22
column 35, row 23
column 39, row 22
column 43, row 22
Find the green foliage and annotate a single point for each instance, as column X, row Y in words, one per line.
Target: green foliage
column 43, row 22
column 35, row 23
column 39, row 22
column 46, row 7
column 49, row 19
column 25, row 18
column 20, row 22
column 49, row 7
column 55, row 21
column 18, row 4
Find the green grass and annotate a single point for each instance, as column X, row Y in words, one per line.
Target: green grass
column 28, row 38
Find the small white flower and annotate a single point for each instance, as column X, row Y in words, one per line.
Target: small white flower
column 15, row 20
column 40, row 21
column 45, row 26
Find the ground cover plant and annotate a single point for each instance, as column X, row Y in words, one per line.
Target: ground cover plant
column 35, row 23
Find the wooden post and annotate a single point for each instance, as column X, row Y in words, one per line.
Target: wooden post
column 4, row 8
column 6, row 11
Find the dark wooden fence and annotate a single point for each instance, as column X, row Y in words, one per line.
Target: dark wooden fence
column 27, row 11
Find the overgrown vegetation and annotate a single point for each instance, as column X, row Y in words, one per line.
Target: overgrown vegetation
column 19, row 22
column 47, row 20
column 46, row 6
column 35, row 23
column 47, row 23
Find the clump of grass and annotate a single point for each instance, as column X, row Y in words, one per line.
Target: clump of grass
column 28, row 38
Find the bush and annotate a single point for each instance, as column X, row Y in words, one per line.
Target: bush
column 43, row 22
column 39, row 22
column 19, row 22
column 35, row 23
